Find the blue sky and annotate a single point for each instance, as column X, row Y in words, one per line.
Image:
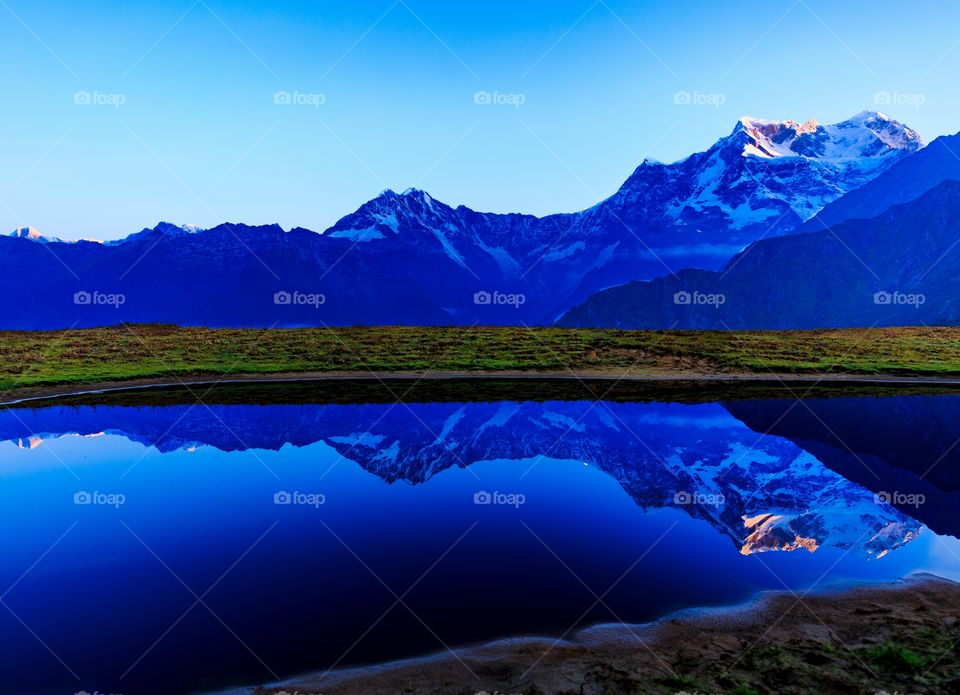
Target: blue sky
column 183, row 124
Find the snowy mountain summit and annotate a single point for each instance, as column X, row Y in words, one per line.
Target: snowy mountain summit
column 772, row 172
column 868, row 135
column 33, row 235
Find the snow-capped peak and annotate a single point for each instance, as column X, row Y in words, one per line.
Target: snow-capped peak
column 33, row 235
column 866, row 116
column 387, row 214
column 767, row 172
column 886, row 130
column 390, row 211
column 868, row 134
column 772, row 138
column 415, row 193
column 165, row 228
column 768, row 127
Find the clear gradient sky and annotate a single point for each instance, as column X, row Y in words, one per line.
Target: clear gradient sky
column 199, row 138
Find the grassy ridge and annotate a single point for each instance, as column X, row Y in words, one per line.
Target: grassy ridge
column 44, row 358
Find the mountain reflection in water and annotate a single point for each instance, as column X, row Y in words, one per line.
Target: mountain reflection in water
column 517, row 504
column 805, row 473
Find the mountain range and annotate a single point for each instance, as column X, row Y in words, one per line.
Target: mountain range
column 409, row 259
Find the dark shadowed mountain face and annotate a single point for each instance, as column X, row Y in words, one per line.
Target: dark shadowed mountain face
column 900, row 268
column 409, row 259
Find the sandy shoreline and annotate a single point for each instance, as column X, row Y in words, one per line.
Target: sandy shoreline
column 865, row 638
column 40, row 393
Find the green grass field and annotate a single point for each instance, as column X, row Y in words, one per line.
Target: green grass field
column 30, row 359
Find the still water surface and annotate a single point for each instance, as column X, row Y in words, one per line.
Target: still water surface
column 183, row 548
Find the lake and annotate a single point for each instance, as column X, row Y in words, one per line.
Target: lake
column 157, row 543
